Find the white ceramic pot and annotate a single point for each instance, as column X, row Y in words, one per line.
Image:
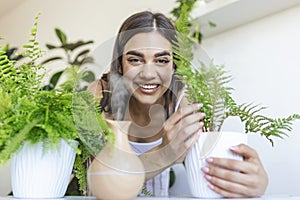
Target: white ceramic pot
column 210, row 144
column 37, row 172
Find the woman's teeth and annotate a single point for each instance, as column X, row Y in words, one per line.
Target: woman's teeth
column 148, row 86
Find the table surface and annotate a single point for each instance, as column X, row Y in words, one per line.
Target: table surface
column 277, row 197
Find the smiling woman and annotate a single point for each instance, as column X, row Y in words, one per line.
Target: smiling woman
column 147, row 68
column 141, row 88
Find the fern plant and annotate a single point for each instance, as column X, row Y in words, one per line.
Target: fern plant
column 209, row 85
column 30, row 114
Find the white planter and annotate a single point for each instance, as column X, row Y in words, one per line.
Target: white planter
column 40, row 173
column 210, row 144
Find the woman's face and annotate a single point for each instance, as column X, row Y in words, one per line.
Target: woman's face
column 148, row 66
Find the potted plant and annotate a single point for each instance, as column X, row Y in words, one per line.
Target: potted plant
column 75, row 55
column 43, row 122
column 208, row 83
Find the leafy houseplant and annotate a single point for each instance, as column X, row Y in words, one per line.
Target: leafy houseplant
column 75, row 55
column 208, row 84
column 31, row 115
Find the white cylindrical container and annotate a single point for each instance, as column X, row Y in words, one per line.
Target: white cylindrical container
column 37, row 172
column 210, row 144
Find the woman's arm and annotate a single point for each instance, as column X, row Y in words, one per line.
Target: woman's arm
column 246, row 178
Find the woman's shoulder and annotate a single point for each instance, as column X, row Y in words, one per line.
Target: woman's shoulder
column 96, row 87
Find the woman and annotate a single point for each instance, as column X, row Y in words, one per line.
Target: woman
column 144, row 90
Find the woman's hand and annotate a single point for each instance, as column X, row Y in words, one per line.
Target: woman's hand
column 181, row 131
column 236, row 179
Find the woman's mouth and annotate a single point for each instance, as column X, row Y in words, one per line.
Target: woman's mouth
column 148, row 88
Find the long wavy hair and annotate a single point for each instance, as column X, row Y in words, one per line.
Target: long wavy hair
column 116, row 100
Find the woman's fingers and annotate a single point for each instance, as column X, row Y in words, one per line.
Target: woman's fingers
column 234, row 178
column 226, row 169
column 227, row 193
column 245, row 151
column 182, row 113
column 183, row 123
column 233, row 165
column 181, row 132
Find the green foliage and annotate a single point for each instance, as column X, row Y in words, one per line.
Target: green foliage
column 189, row 4
column 209, row 85
column 90, row 122
column 28, row 113
column 32, row 49
column 75, row 56
column 146, row 192
column 191, row 24
column 80, row 168
column 255, row 122
column 92, row 130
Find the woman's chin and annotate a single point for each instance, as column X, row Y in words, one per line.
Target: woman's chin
column 148, row 99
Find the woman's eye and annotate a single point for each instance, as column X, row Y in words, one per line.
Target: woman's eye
column 134, row 61
column 163, row 61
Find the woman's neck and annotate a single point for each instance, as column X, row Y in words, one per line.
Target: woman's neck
column 147, row 120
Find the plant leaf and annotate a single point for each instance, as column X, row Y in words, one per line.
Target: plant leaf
column 61, row 36
column 88, row 76
column 73, row 46
column 54, row 79
column 52, row 59
column 50, row 46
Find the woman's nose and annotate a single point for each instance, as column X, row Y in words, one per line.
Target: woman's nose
column 148, row 71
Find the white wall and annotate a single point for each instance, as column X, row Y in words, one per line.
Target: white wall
column 89, row 19
column 98, row 20
column 263, row 57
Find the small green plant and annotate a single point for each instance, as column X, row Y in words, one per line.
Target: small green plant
column 209, row 85
column 194, row 27
column 75, row 55
column 29, row 113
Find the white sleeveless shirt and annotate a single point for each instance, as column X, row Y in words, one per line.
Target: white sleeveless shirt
column 159, row 185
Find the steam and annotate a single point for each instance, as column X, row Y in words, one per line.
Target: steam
column 120, row 96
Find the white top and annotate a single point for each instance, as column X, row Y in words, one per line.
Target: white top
column 140, row 148
column 159, row 185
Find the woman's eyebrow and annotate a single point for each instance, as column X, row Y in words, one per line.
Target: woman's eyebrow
column 135, row 53
column 163, row 53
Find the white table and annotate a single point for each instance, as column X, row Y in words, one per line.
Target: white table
column 277, row 197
